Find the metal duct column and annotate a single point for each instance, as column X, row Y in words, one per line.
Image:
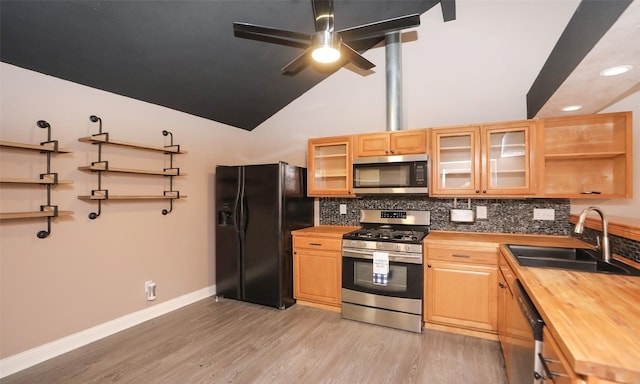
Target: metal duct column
column 393, row 54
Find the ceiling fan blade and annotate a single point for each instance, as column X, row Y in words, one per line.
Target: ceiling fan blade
column 323, row 15
column 448, row 9
column 351, row 55
column 297, row 64
column 277, row 36
column 379, row 28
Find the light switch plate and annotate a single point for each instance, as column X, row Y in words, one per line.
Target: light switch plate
column 544, row 214
column 481, row 212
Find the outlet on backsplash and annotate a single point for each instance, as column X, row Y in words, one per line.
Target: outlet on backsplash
column 481, row 212
column 343, row 209
column 544, row 214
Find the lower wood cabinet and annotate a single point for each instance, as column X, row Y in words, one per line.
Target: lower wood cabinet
column 461, row 288
column 317, row 270
column 503, row 296
column 556, row 364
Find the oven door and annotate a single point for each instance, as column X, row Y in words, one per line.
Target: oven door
column 405, row 279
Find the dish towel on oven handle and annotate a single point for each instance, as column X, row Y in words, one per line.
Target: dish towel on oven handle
column 380, row 268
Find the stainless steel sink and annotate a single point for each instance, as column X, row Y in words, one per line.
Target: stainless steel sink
column 575, row 259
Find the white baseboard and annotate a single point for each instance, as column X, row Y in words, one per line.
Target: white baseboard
column 31, row 357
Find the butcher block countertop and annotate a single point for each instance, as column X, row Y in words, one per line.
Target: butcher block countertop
column 325, row 230
column 594, row 317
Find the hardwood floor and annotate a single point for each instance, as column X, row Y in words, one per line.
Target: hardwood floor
column 234, row 342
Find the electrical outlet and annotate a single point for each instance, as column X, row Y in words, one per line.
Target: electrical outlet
column 150, row 290
column 343, row 209
column 544, row 214
column 481, row 212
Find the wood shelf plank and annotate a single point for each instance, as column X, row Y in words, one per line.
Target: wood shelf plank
column 98, row 168
column 103, row 139
column 34, row 147
column 132, row 197
column 8, row 180
column 32, row 214
column 576, row 156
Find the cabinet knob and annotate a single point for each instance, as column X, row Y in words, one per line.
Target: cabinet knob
column 392, row 151
column 477, row 191
column 501, row 285
column 428, row 265
column 484, row 191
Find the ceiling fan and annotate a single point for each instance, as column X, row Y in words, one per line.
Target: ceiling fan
column 325, row 45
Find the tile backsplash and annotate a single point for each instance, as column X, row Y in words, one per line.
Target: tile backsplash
column 624, row 247
column 503, row 215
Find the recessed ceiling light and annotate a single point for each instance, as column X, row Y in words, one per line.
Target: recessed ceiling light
column 618, row 70
column 572, row 108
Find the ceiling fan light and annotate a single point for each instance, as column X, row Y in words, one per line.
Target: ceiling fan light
column 325, row 54
column 326, row 47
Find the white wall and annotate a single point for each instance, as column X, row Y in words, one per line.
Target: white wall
column 91, row 271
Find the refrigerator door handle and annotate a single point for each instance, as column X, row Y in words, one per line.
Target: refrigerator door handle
column 236, row 203
column 243, row 206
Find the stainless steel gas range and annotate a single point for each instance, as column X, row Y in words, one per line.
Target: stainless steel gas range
column 382, row 272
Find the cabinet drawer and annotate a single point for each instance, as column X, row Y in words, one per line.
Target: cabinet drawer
column 476, row 255
column 555, row 361
column 320, row 243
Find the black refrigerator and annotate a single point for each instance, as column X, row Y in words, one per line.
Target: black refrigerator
column 257, row 207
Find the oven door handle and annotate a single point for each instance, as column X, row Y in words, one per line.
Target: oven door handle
column 358, row 254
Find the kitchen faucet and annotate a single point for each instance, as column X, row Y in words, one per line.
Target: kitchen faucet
column 604, row 247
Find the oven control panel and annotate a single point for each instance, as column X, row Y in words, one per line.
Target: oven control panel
column 393, row 214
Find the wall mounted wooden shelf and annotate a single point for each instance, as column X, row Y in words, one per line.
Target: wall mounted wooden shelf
column 48, row 179
column 102, row 166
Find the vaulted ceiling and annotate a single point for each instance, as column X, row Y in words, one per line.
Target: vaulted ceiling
column 179, row 54
column 184, row 55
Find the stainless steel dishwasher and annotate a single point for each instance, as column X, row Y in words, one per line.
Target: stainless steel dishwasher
column 525, row 338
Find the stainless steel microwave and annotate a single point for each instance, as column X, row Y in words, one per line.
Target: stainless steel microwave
column 408, row 174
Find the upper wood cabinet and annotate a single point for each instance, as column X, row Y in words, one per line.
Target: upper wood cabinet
column 329, row 163
column 391, row 143
column 487, row 160
column 587, row 156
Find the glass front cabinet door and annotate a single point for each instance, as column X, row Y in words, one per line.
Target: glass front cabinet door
column 329, row 162
column 489, row 160
column 456, row 161
column 507, row 165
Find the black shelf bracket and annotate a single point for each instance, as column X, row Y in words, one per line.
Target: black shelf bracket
column 45, row 125
column 175, row 149
column 104, row 139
